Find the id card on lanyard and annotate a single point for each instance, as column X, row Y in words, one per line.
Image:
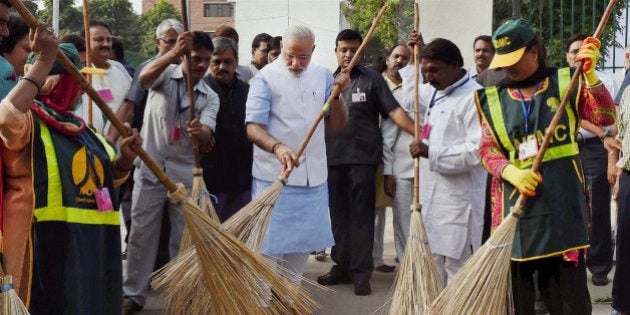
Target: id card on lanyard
column 529, row 148
column 177, row 127
column 101, row 194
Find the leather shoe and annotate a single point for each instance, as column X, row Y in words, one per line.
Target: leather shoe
column 130, row 307
column 385, row 268
column 362, row 288
column 599, row 280
column 335, row 276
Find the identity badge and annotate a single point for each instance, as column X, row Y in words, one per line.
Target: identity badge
column 358, row 97
column 106, row 95
column 426, row 131
column 103, row 200
column 528, row 149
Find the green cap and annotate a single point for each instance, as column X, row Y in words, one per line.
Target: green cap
column 70, row 51
column 509, row 41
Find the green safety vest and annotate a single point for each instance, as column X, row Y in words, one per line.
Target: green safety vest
column 553, row 221
column 76, row 249
column 63, row 189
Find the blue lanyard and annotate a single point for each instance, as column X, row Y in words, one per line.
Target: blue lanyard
column 181, row 109
column 90, row 154
column 434, row 100
column 527, row 110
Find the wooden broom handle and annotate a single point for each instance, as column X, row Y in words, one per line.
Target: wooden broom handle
column 336, row 88
column 189, row 86
column 416, row 107
column 72, row 70
column 565, row 100
column 88, row 53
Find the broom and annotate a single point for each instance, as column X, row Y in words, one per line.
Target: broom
column 10, row 302
column 199, row 193
column 483, row 284
column 417, row 284
column 227, row 265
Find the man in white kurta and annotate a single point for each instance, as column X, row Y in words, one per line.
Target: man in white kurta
column 452, row 182
column 283, row 101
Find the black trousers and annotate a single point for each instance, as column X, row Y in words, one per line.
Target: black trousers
column 562, row 286
column 352, row 196
column 595, row 160
column 621, row 282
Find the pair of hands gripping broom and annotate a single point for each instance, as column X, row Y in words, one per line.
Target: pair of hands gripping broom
column 483, row 284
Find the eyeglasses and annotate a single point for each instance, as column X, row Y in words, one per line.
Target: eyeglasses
column 169, row 41
column 300, row 57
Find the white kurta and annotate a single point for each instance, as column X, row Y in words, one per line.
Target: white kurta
column 452, row 181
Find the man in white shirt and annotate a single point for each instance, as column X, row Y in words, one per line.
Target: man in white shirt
column 452, row 181
column 112, row 85
column 283, row 101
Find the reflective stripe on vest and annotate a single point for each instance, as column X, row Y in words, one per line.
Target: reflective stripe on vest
column 552, row 153
column 55, row 210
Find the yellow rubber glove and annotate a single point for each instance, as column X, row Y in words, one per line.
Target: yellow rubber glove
column 525, row 181
column 589, row 55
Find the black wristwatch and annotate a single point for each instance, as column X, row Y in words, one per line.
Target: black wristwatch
column 607, row 133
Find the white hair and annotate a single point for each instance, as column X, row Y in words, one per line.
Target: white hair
column 168, row 24
column 298, row 32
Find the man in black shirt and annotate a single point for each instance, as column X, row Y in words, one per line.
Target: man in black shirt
column 353, row 156
column 227, row 169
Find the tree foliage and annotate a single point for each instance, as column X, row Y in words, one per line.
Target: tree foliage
column 361, row 13
column 119, row 15
column 556, row 21
column 70, row 18
column 151, row 19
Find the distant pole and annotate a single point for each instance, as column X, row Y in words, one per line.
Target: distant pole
column 516, row 8
column 55, row 17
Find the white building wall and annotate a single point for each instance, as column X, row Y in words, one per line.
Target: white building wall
column 459, row 21
column 274, row 16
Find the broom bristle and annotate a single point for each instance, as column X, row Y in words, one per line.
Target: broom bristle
column 229, row 266
column 483, row 284
column 417, row 283
column 250, row 223
column 10, row 302
column 201, row 197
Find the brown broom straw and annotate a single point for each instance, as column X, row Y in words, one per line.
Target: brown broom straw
column 10, row 302
column 236, row 277
column 88, row 53
column 418, row 283
column 483, row 284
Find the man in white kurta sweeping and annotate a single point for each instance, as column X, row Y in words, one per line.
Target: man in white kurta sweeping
column 284, row 99
column 452, row 182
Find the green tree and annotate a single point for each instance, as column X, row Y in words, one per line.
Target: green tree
column 119, row 15
column 361, row 13
column 70, row 18
column 556, row 21
column 151, row 19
